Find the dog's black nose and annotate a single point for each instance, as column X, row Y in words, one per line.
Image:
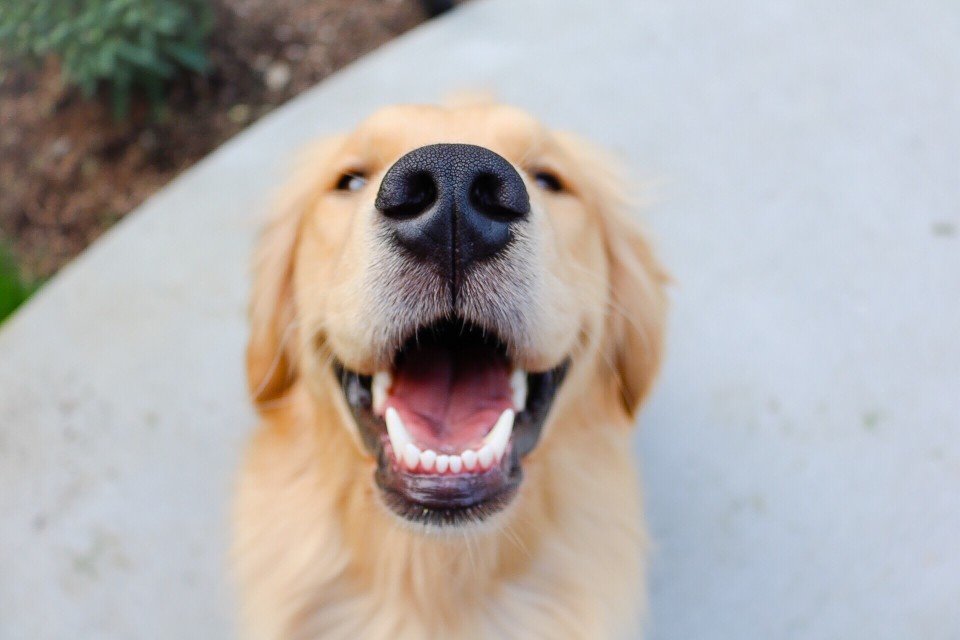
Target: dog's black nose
column 452, row 204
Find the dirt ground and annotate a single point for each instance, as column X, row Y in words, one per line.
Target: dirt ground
column 68, row 169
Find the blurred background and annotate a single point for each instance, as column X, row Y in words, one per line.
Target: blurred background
column 102, row 102
column 798, row 162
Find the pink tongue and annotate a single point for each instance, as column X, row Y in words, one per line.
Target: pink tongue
column 449, row 399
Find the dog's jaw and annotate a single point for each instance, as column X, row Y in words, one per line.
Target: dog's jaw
column 461, row 463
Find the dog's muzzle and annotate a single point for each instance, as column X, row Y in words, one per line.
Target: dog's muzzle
column 450, row 413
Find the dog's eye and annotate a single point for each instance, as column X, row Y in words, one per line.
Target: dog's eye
column 351, row 181
column 548, row 181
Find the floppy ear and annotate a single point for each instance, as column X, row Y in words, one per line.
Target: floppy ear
column 636, row 315
column 271, row 349
column 637, row 301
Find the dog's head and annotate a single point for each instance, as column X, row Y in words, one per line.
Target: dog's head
column 454, row 278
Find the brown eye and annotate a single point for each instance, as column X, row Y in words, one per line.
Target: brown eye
column 548, row 181
column 351, row 181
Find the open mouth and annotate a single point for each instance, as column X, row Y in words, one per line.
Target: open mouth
column 450, row 422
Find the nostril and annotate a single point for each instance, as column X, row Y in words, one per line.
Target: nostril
column 411, row 196
column 489, row 194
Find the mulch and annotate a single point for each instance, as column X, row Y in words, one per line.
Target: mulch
column 69, row 169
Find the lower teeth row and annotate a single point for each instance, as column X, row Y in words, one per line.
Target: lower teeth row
column 410, row 455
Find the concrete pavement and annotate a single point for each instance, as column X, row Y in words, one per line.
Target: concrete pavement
column 802, row 452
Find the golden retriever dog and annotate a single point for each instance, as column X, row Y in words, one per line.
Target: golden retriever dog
column 453, row 325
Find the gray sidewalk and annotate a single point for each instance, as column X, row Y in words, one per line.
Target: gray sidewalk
column 802, row 453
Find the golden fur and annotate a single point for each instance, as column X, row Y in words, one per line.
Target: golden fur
column 317, row 554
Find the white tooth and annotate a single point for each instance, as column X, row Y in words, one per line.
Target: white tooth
column 499, row 436
column 427, row 458
column 382, row 381
column 411, row 456
column 485, row 456
column 456, row 464
column 443, row 462
column 518, row 383
column 399, row 437
column 469, row 459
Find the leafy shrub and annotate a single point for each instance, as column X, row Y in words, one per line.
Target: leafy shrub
column 13, row 289
column 125, row 44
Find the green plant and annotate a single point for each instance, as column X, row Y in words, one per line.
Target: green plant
column 126, row 44
column 13, row 288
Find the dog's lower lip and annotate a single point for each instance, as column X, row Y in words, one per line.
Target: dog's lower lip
column 445, row 499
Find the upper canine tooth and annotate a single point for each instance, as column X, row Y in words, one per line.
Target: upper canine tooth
column 399, row 437
column 518, row 383
column 469, row 458
column 499, row 436
column 379, row 386
column 411, row 456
